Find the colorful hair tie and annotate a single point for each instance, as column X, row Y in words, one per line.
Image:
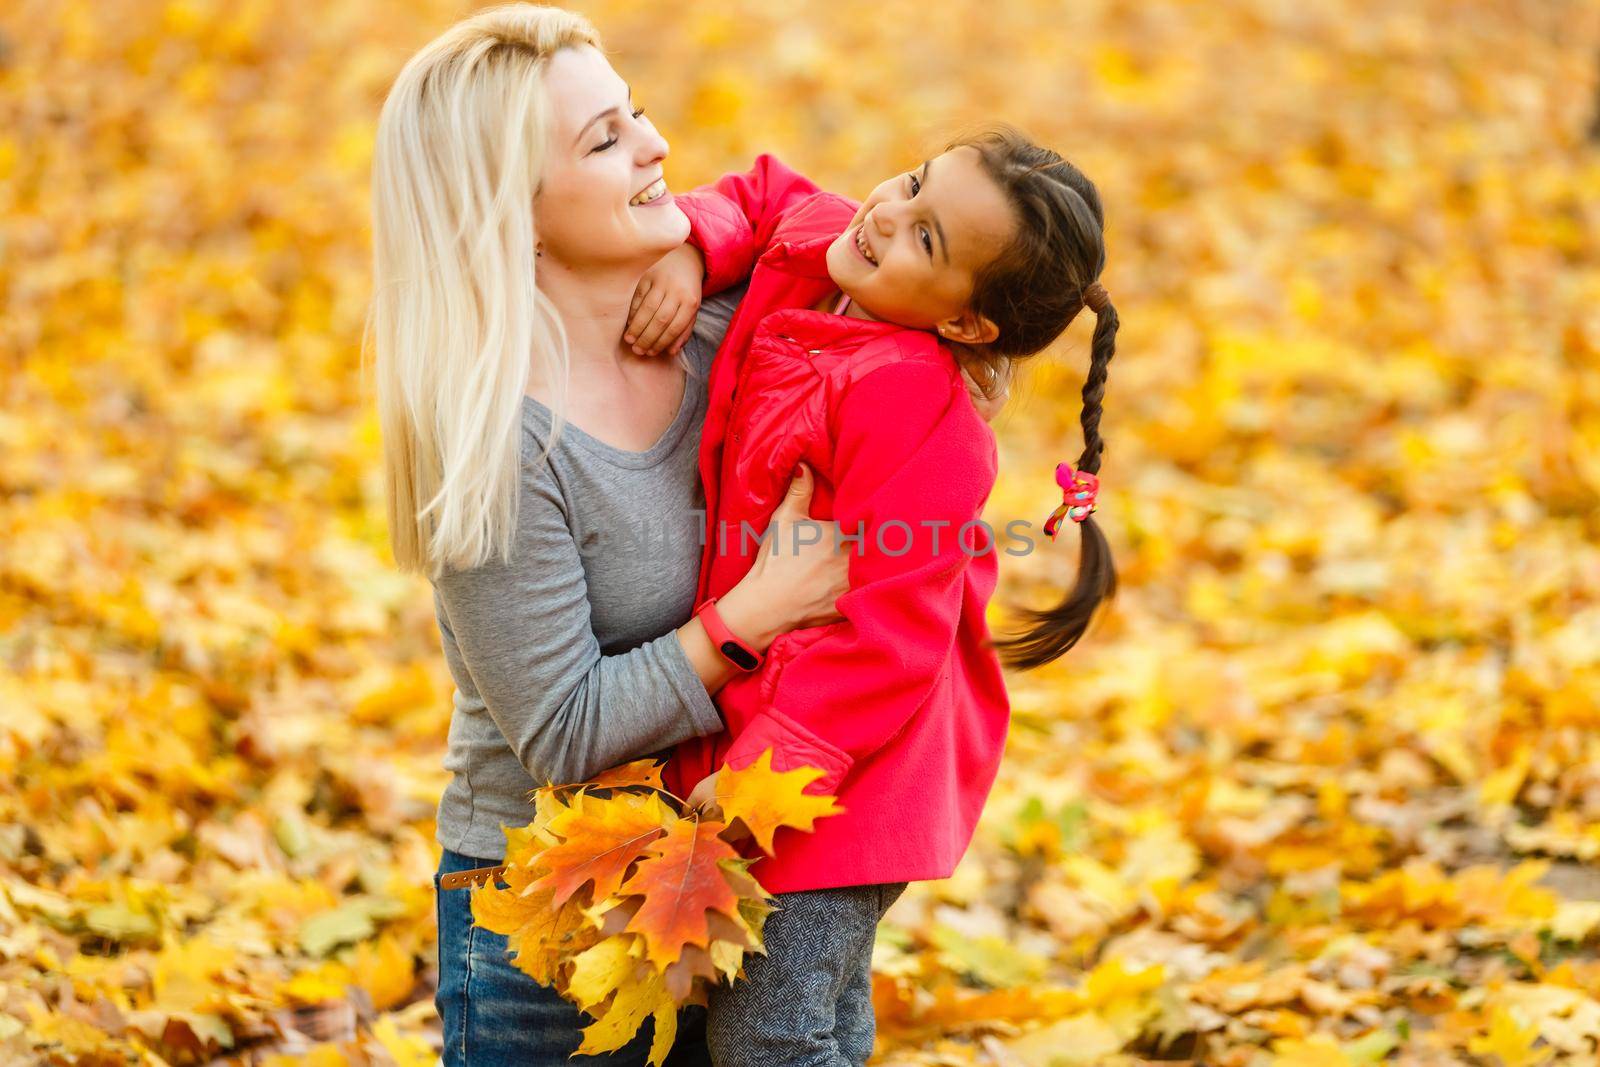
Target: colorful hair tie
column 1078, row 492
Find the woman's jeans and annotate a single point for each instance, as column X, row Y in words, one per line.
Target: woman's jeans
column 494, row 1014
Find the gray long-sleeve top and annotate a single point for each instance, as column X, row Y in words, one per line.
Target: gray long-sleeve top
column 564, row 659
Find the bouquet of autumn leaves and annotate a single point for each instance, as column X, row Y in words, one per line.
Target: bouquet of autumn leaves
column 631, row 903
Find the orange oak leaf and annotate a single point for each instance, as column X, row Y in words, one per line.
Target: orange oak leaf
column 680, row 884
column 599, row 839
column 764, row 799
column 645, row 772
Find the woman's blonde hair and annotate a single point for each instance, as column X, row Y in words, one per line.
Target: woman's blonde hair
column 456, row 319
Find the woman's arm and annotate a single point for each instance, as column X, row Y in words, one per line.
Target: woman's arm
column 848, row 693
column 524, row 640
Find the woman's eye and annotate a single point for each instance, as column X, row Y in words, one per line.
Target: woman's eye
column 916, row 186
column 637, row 113
column 927, row 242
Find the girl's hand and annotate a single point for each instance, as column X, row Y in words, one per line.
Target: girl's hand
column 661, row 316
column 796, row 586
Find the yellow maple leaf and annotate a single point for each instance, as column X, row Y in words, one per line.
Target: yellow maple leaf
column 1510, row 1041
column 185, row 973
column 1077, row 1041
column 70, row 1035
column 666, row 1032
column 327, row 981
column 626, row 1012
column 1317, row 1050
column 408, row 1050
column 599, row 971
column 765, row 800
column 384, row 969
column 727, row 957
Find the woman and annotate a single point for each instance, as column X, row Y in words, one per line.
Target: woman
column 539, row 471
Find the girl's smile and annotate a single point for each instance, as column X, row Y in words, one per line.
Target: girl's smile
column 864, row 246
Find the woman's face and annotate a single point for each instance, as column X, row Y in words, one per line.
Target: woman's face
column 603, row 201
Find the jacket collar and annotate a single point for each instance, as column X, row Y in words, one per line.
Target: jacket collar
column 823, row 329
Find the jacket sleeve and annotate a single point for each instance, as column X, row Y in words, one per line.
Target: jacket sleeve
column 732, row 219
column 912, row 480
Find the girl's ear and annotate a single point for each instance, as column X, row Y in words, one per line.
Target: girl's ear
column 968, row 328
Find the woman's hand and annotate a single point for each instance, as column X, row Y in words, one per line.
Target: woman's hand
column 796, row 586
column 990, row 399
column 661, row 316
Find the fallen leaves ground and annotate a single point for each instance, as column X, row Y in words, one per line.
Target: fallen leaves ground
column 1323, row 789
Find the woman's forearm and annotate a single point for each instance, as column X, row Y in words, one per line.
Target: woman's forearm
column 753, row 626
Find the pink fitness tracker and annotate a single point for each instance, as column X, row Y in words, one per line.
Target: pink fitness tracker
column 733, row 650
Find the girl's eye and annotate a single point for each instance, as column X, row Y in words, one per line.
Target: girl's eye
column 916, row 186
column 637, row 112
column 927, row 242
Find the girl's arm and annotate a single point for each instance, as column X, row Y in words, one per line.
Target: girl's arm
column 731, row 222
column 732, row 219
column 930, row 467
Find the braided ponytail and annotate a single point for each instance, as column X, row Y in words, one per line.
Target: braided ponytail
column 1050, row 632
column 1032, row 292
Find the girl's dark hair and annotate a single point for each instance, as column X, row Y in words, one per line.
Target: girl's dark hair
column 1032, row 291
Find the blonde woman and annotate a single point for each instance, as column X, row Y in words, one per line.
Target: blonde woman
column 540, row 471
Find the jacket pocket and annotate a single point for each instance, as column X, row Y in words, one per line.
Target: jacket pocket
column 785, row 647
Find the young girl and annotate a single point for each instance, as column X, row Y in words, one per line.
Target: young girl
column 846, row 356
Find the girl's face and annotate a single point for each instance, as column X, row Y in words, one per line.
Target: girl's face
column 911, row 253
column 603, row 201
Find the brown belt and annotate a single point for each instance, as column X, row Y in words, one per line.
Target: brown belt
column 476, row 876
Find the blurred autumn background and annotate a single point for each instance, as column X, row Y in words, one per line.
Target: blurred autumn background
column 1323, row 788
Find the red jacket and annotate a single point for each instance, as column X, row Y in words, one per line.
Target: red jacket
column 901, row 703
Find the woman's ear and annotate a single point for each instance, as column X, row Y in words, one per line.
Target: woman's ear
column 969, row 328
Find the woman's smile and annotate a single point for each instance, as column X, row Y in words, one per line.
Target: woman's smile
column 651, row 195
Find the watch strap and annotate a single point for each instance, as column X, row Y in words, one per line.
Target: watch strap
column 735, row 651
